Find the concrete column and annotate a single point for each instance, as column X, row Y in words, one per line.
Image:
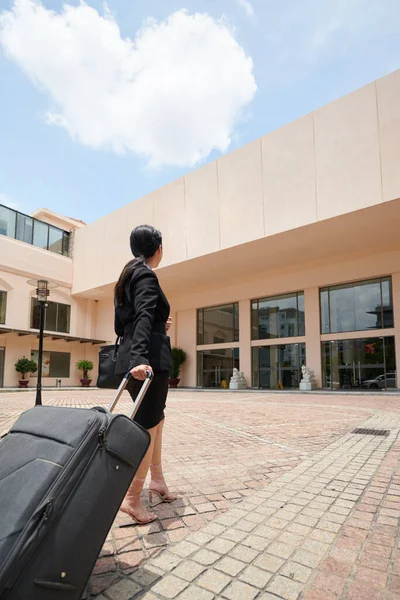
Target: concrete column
column 396, row 311
column 15, row 348
column 185, row 336
column 245, row 338
column 173, row 328
column 313, row 335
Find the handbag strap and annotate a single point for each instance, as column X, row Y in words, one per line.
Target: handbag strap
column 115, row 355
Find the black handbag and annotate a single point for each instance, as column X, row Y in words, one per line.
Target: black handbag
column 107, row 378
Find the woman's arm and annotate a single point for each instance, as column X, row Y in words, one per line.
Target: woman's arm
column 145, row 296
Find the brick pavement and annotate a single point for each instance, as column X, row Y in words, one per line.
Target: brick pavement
column 275, row 502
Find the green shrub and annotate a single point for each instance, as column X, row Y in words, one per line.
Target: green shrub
column 178, row 358
column 25, row 365
column 85, row 366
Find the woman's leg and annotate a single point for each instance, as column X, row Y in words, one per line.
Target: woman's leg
column 132, row 504
column 158, row 484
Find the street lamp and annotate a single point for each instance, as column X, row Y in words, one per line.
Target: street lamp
column 42, row 293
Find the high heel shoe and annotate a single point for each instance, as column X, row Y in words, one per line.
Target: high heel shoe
column 157, row 477
column 132, row 497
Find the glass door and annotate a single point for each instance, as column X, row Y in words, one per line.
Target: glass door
column 278, row 367
column 366, row 363
column 215, row 367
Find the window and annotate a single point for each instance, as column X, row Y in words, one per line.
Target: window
column 24, row 228
column 40, row 235
column 278, row 367
column 218, row 325
column 278, row 317
column 3, row 306
column 357, row 307
column 57, row 316
column 56, row 240
column 54, row 364
column 32, row 231
column 7, row 221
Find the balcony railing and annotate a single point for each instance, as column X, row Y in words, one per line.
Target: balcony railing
column 24, row 228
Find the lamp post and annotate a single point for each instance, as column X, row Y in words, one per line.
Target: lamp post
column 42, row 293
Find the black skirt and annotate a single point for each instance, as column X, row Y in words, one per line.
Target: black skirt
column 151, row 411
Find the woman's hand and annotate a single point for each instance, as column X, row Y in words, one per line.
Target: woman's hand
column 140, row 372
column 168, row 324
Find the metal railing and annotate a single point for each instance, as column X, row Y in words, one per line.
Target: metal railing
column 24, row 228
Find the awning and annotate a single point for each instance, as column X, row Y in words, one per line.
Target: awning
column 53, row 336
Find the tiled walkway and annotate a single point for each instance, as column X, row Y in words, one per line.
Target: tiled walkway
column 278, row 500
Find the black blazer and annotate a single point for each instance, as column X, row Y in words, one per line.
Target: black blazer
column 140, row 322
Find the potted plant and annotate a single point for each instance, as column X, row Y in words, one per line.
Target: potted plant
column 85, row 366
column 178, row 358
column 24, row 366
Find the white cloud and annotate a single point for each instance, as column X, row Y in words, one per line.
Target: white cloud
column 7, row 202
column 172, row 94
column 247, row 6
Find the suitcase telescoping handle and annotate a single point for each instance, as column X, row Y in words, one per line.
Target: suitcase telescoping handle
column 139, row 397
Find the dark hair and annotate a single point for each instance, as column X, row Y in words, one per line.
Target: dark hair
column 145, row 240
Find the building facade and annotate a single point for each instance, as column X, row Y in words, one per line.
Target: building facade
column 282, row 253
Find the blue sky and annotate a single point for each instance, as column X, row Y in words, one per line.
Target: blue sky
column 90, row 121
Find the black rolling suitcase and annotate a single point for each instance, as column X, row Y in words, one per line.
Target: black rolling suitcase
column 63, row 475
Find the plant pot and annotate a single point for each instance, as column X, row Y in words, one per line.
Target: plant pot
column 23, row 383
column 173, row 382
column 86, row 382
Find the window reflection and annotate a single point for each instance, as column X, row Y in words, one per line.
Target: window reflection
column 218, row 324
column 278, row 317
column 8, row 219
column 57, row 316
column 55, row 240
column 357, row 307
column 24, row 228
column 40, row 234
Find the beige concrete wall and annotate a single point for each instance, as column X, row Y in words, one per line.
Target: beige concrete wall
column 18, row 316
column 17, row 347
column 32, row 262
column 341, row 158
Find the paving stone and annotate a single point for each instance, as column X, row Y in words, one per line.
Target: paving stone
column 188, row 570
column 315, row 547
column 322, row 536
column 234, row 535
column 166, row 561
column 200, row 538
column 243, row 553
column 195, row 593
column 169, row 586
column 281, row 549
column 306, row 558
column 285, row 588
column 256, row 542
column 269, row 563
column 183, row 549
column 255, row 576
column 221, row 546
column 231, row 566
column 213, row 581
column 145, row 576
column 296, row 572
column 206, row 557
column 239, row 590
column 123, row 590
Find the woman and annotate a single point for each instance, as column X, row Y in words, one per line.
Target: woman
column 142, row 320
